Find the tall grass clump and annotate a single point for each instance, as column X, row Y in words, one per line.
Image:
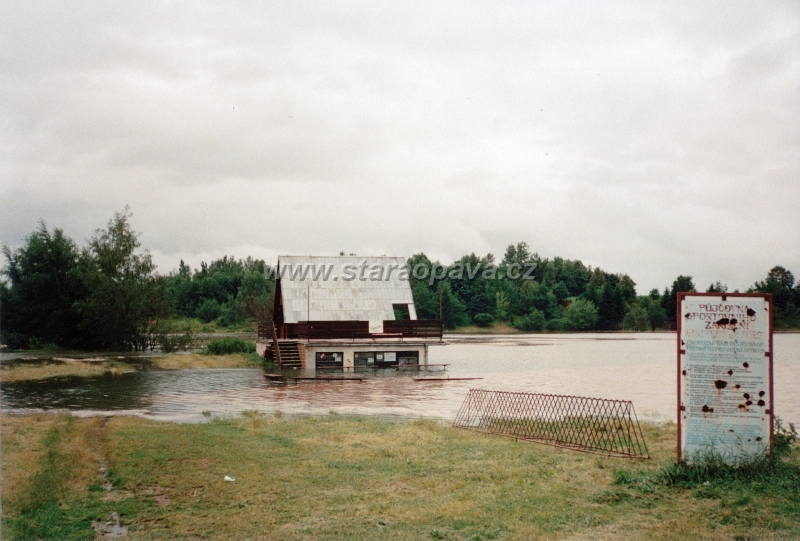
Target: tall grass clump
column 225, row 346
column 712, row 466
column 780, row 472
column 784, row 438
column 173, row 336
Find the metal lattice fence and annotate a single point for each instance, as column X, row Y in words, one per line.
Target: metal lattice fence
column 591, row 425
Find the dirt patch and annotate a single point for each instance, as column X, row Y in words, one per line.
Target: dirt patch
column 111, row 528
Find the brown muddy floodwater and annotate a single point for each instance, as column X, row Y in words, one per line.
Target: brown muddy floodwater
column 636, row 367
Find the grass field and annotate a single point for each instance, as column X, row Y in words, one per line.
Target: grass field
column 362, row 478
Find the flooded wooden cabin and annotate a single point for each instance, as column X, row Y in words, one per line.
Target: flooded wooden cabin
column 346, row 312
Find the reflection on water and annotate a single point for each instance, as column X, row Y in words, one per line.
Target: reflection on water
column 633, row 367
column 123, row 392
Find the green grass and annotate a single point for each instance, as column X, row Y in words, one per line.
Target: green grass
column 339, row 477
column 45, row 507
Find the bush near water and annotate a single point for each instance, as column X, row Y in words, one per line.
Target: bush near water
column 226, row 346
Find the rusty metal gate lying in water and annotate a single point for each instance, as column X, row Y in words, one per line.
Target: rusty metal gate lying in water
column 591, row 425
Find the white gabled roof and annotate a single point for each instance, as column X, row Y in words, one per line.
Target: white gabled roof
column 340, row 299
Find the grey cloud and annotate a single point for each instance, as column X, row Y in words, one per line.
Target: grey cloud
column 649, row 139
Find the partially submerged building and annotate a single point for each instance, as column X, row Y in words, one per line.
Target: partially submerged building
column 346, row 312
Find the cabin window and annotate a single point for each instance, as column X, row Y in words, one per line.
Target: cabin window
column 330, row 359
column 385, row 359
column 364, row 358
column 401, row 312
column 408, row 358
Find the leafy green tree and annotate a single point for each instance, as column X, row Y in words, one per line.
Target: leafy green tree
column 682, row 284
column 425, row 302
column 535, row 321
column 454, row 313
column 594, row 286
column 628, row 288
column 522, row 256
column 558, row 324
column 645, row 313
column 611, row 304
column 257, row 294
column 469, row 285
column 209, row 310
column 582, row 315
column 561, row 292
column 220, row 281
column 542, row 298
column 519, row 292
column 124, row 302
column 37, row 303
column 717, row 287
column 501, row 306
column 519, row 297
column 636, row 318
column 785, row 296
column 656, row 315
column 571, row 273
column 426, row 295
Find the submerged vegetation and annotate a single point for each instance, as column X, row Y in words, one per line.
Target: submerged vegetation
column 362, row 478
column 62, row 368
column 205, row 360
column 107, row 295
column 73, row 367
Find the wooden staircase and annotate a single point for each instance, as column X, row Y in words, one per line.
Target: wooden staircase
column 290, row 356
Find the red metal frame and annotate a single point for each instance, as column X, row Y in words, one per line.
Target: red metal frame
column 590, row 425
column 724, row 297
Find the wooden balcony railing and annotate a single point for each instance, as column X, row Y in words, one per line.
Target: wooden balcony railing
column 415, row 328
column 320, row 330
column 327, row 330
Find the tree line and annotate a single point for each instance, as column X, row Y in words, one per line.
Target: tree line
column 566, row 295
column 106, row 295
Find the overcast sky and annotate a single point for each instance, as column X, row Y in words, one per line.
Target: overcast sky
column 639, row 138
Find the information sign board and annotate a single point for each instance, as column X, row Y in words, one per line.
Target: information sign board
column 725, row 399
